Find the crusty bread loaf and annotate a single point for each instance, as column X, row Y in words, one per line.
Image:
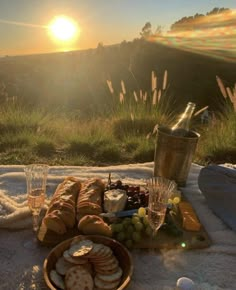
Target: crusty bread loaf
column 90, row 198
column 61, row 213
column 89, row 207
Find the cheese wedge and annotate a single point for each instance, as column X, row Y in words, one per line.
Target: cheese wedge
column 114, row 200
column 190, row 221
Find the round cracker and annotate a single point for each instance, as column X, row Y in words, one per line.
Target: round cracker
column 62, row 266
column 95, row 250
column 57, row 279
column 81, row 248
column 109, row 259
column 78, row 278
column 110, row 278
column 104, row 285
column 77, row 239
column 76, row 261
column 102, row 252
column 107, row 265
column 105, row 272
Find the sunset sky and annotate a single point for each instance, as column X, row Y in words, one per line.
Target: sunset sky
column 23, row 23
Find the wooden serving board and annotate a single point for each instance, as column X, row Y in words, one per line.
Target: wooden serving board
column 188, row 240
column 164, row 239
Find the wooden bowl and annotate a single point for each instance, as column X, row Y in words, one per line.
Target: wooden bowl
column 121, row 253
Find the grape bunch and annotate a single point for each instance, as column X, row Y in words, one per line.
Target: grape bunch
column 131, row 230
column 137, row 196
column 175, row 197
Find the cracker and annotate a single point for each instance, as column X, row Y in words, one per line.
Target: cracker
column 77, row 260
column 88, row 266
column 77, row 239
column 80, row 249
column 107, row 264
column 111, row 278
column 95, row 250
column 62, row 266
column 105, row 271
column 107, row 258
column 78, row 278
column 57, row 279
column 105, row 285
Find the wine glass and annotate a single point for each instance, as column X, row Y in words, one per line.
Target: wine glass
column 160, row 190
column 36, row 177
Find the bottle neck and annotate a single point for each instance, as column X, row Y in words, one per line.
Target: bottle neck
column 184, row 120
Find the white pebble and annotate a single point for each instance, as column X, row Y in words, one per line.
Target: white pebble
column 185, row 283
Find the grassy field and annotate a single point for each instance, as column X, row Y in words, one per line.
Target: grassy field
column 125, row 135
column 101, row 106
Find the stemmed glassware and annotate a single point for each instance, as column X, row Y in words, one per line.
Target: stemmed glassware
column 160, row 190
column 36, row 178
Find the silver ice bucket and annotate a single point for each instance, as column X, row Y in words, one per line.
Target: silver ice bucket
column 174, row 154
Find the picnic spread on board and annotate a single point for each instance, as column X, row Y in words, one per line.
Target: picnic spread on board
column 189, row 235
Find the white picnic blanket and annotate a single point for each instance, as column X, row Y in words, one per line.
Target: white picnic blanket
column 20, row 268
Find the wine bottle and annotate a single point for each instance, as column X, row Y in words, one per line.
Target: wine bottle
column 181, row 128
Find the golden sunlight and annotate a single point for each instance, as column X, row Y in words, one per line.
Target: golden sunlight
column 63, row 28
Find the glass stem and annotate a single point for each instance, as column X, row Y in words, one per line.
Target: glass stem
column 152, row 246
column 35, row 222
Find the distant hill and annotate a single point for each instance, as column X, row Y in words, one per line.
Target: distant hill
column 77, row 79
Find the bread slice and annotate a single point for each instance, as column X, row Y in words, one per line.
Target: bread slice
column 61, row 213
column 87, row 220
column 68, row 217
column 57, row 201
column 70, row 186
column 97, row 228
column 54, row 223
column 88, row 208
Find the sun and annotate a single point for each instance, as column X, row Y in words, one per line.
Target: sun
column 63, row 28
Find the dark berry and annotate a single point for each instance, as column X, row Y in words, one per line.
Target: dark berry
column 118, row 183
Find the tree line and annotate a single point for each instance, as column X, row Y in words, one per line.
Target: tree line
column 197, row 21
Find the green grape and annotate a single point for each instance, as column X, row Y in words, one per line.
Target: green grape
column 126, row 222
column 176, row 193
column 113, row 228
column 136, row 237
column 145, row 220
column 130, row 229
column 141, row 212
column 148, row 231
column 129, row 244
column 135, row 219
column 170, row 201
column 138, row 226
column 120, row 236
column 119, row 227
column 176, row 200
column 128, row 235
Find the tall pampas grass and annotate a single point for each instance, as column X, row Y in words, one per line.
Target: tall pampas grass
column 227, row 93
